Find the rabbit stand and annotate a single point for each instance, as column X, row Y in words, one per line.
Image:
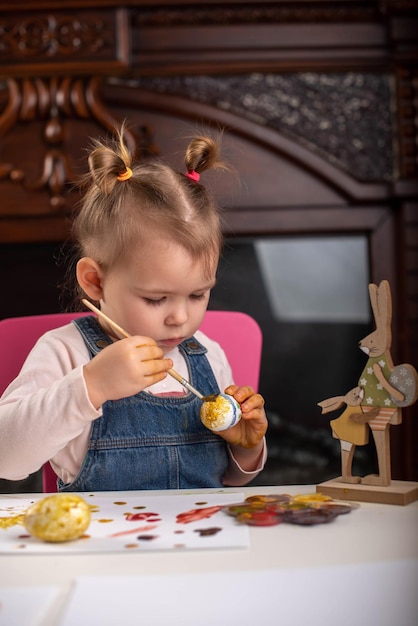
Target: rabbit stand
column 374, row 405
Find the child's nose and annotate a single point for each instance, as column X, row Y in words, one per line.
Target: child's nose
column 177, row 316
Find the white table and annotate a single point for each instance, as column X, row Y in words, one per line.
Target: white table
column 363, row 564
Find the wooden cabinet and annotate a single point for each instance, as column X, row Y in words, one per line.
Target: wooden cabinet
column 318, row 101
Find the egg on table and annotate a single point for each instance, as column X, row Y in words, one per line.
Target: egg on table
column 59, row 517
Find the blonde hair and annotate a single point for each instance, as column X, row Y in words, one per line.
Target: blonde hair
column 125, row 203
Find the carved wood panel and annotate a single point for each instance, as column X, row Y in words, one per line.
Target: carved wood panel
column 325, row 92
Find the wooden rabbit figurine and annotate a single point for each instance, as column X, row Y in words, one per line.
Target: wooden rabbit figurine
column 384, row 390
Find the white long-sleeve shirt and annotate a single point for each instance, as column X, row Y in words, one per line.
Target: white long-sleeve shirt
column 46, row 413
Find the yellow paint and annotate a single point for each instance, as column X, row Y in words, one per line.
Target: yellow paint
column 7, row 522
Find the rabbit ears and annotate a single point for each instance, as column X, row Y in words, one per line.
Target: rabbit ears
column 381, row 301
column 331, row 404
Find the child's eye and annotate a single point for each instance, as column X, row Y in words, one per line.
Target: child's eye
column 198, row 296
column 152, row 302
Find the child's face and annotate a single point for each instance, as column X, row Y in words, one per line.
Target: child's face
column 159, row 292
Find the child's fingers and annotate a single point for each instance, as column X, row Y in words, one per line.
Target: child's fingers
column 254, row 402
column 157, row 366
column 231, row 389
column 148, row 353
column 240, row 393
column 246, row 397
column 155, row 378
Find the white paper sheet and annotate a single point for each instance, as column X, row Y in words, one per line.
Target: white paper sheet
column 143, row 523
column 25, row 606
column 383, row 594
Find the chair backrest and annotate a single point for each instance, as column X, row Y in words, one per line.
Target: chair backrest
column 238, row 334
column 18, row 335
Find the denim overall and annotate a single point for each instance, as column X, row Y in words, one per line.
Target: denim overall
column 151, row 442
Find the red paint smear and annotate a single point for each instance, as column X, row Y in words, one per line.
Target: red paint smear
column 137, row 517
column 141, row 529
column 197, row 514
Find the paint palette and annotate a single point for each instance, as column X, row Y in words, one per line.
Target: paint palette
column 134, row 522
column 304, row 510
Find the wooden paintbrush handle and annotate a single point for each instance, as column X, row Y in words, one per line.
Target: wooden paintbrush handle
column 118, row 329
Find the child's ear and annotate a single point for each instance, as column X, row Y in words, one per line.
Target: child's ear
column 89, row 277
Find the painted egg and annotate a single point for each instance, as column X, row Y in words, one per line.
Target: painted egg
column 404, row 379
column 220, row 412
column 56, row 518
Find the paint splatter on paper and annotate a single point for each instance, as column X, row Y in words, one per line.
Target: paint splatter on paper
column 116, row 524
column 197, row 514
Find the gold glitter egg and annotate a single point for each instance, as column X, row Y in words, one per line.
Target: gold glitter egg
column 57, row 518
column 220, row 412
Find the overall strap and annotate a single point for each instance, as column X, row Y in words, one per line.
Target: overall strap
column 93, row 334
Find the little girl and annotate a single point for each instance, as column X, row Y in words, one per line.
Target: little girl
column 102, row 409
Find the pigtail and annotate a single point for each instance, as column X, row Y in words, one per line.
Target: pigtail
column 110, row 164
column 202, row 154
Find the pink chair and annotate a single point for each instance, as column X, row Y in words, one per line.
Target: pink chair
column 238, row 334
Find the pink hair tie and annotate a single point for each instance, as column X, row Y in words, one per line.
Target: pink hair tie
column 195, row 176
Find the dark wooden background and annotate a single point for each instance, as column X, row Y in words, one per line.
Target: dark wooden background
column 318, row 100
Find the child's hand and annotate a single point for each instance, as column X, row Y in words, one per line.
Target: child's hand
column 124, row 368
column 253, row 424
